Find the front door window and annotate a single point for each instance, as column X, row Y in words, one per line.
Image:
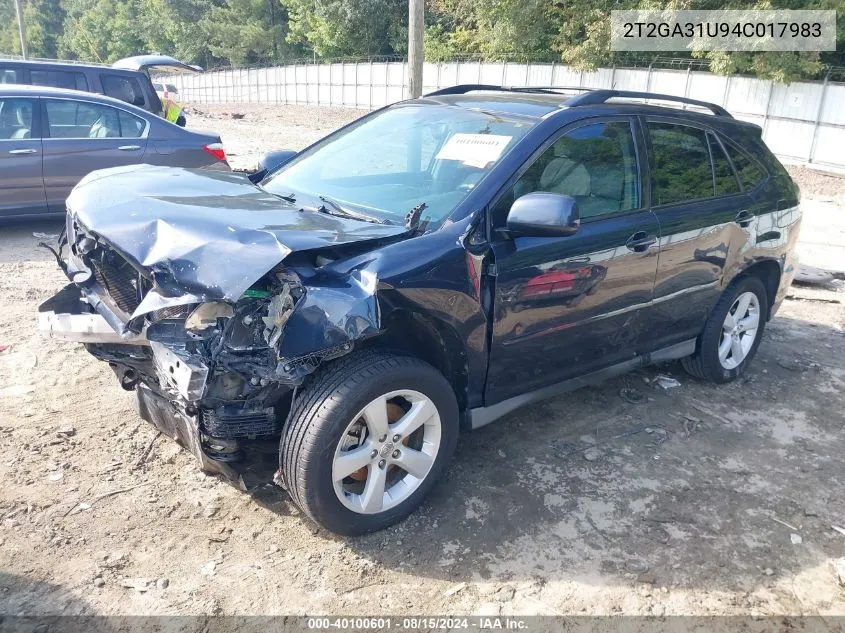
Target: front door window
column 596, row 164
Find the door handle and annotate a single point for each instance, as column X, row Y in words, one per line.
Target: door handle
column 23, row 151
column 744, row 218
column 640, row 242
column 129, row 148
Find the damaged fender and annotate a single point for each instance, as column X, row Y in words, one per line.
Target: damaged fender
column 326, row 322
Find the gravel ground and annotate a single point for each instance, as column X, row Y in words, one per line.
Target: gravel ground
column 701, row 500
column 816, row 184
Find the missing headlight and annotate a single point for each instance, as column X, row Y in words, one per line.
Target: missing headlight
column 206, row 315
column 278, row 313
column 261, row 314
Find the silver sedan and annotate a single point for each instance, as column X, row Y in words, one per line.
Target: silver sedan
column 50, row 138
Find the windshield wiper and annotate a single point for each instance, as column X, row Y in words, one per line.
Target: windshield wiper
column 331, row 207
column 288, row 198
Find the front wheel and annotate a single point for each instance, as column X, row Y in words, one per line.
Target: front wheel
column 732, row 333
column 367, row 439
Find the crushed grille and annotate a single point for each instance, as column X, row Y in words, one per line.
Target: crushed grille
column 120, row 281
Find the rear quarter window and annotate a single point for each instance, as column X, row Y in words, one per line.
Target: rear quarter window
column 126, row 89
column 749, row 171
column 726, row 182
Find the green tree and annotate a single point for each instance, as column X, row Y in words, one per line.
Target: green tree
column 9, row 29
column 44, row 24
column 101, row 31
column 237, row 32
column 516, row 30
column 247, row 31
column 335, row 28
column 174, row 27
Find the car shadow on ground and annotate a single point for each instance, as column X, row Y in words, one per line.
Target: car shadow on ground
column 729, row 486
column 22, row 597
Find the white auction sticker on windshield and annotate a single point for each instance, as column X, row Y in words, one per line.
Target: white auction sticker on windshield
column 475, row 150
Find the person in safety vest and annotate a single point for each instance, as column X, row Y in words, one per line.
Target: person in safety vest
column 172, row 110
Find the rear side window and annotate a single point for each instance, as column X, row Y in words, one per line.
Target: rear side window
column 126, row 89
column 58, row 79
column 10, row 75
column 749, row 172
column 680, row 163
column 726, row 182
column 79, row 119
column 15, row 119
column 130, row 125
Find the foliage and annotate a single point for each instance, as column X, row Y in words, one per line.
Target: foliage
column 44, row 24
column 247, row 31
column 491, row 29
column 174, row 27
column 102, row 30
column 336, row 28
column 583, row 37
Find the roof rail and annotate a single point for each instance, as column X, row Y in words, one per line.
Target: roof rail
column 595, row 97
column 465, row 88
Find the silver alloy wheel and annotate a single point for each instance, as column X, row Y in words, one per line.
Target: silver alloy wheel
column 739, row 331
column 380, row 462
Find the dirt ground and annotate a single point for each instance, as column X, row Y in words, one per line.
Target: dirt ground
column 701, row 500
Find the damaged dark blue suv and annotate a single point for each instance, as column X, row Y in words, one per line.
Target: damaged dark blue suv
column 435, row 264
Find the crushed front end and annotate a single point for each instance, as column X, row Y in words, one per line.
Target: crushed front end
column 212, row 299
column 204, row 373
column 211, row 374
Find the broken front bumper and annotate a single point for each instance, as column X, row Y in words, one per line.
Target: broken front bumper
column 69, row 317
column 66, row 316
column 171, row 421
column 169, row 385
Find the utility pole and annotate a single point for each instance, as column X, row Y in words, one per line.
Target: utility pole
column 21, row 27
column 415, row 48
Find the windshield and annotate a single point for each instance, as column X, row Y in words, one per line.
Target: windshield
column 406, row 156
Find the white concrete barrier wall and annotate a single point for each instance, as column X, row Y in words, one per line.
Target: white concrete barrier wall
column 803, row 121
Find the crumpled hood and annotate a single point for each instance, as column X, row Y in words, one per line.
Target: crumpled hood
column 204, row 235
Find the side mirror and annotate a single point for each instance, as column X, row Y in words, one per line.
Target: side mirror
column 543, row 214
column 270, row 162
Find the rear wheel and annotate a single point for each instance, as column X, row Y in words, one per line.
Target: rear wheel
column 367, row 439
column 732, row 333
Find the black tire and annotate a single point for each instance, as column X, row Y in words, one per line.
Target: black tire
column 321, row 413
column 705, row 364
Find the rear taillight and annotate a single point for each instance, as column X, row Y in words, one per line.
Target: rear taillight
column 216, row 150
